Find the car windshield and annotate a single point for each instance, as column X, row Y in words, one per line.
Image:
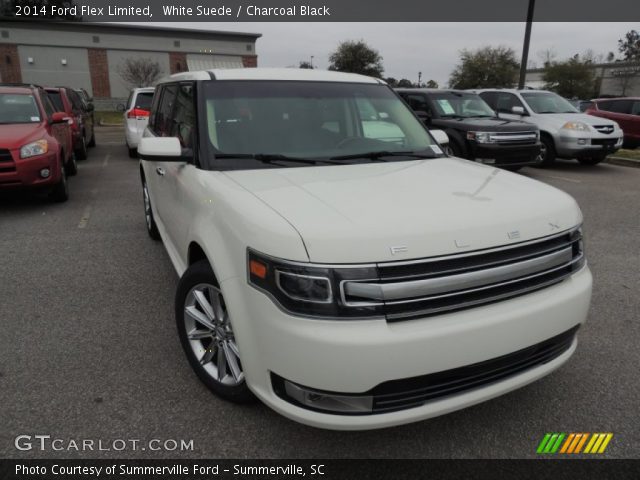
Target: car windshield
column 458, row 104
column 548, row 102
column 331, row 121
column 18, row 108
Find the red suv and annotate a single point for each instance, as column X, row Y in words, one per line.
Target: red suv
column 624, row 111
column 69, row 101
column 36, row 147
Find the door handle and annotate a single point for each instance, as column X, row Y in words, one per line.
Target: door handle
column 160, row 171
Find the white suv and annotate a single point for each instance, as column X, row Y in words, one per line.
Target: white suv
column 564, row 131
column 347, row 277
column 136, row 116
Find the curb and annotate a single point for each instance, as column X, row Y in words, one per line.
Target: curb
column 624, row 162
column 105, row 124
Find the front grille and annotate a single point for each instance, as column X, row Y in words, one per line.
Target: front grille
column 421, row 288
column 604, row 141
column 414, row 392
column 514, row 138
column 6, row 161
column 604, row 128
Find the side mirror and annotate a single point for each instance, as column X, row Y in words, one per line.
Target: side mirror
column 424, row 116
column 120, row 107
column 59, row 117
column 161, row 149
column 518, row 110
column 440, row 136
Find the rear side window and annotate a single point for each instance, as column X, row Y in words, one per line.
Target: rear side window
column 417, row 102
column 635, row 110
column 163, row 121
column 49, row 109
column 506, row 101
column 143, row 101
column 616, row 106
column 76, row 101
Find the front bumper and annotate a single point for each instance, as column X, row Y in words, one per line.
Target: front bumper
column 356, row 356
column 505, row 155
column 25, row 172
column 571, row 144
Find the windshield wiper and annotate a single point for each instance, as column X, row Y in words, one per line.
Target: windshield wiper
column 272, row 157
column 382, row 153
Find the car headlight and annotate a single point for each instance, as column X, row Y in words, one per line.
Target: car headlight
column 310, row 290
column 579, row 126
column 35, row 148
column 480, row 137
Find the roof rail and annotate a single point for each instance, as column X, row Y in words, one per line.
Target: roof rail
column 19, row 84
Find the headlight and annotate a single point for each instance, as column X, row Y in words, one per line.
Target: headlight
column 36, row 148
column 480, row 137
column 308, row 289
column 579, row 126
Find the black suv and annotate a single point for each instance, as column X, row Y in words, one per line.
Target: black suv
column 475, row 131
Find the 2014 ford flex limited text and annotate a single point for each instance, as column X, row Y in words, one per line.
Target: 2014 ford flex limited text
column 339, row 266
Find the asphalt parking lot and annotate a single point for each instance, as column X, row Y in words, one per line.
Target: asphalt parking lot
column 88, row 347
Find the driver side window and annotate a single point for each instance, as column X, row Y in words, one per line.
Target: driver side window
column 506, row 101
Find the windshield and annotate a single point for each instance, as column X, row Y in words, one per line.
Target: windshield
column 312, row 120
column 457, row 104
column 17, row 108
column 547, row 102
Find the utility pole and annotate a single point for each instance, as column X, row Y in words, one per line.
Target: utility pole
column 419, row 79
column 525, row 47
column 311, row 63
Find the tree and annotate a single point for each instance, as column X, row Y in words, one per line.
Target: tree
column 139, row 72
column 306, row 65
column 629, row 46
column 8, row 8
column 392, row 82
column 572, row 78
column 404, row 83
column 485, row 68
column 356, row 57
column 610, row 57
column 432, row 84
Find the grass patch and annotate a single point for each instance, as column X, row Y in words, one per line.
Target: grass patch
column 634, row 154
column 114, row 118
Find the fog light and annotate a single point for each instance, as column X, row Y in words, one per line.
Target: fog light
column 328, row 402
column 582, row 141
column 45, row 172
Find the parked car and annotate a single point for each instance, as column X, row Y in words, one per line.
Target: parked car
column 349, row 281
column 474, row 131
column 564, row 132
column 136, row 116
column 36, row 146
column 625, row 112
column 67, row 100
column 88, row 106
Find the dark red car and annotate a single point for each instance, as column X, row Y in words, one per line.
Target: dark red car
column 69, row 101
column 36, row 147
column 624, row 111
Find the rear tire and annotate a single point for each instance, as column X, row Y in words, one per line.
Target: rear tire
column 60, row 191
column 81, row 151
column 207, row 336
column 457, row 150
column 547, row 155
column 92, row 143
column 152, row 228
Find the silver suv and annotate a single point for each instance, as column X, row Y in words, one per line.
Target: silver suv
column 564, row 131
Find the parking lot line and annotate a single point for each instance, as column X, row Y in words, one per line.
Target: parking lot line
column 106, row 160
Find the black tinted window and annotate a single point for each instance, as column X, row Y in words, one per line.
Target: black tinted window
column 76, row 101
column 56, row 99
column 490, row 98
column 616, row 106
column 506, row 101
column 143, row 100
column 416, row 102
column 163, row 121
column 184, row 116
column 49, row 109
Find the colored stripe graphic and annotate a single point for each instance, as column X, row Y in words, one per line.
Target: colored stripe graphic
column 573, row 443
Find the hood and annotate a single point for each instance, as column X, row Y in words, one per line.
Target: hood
column 483, row 124
column 16, row 135
column 416, row 209
column 559, row 119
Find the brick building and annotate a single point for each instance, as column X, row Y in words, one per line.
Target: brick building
column 88, row 55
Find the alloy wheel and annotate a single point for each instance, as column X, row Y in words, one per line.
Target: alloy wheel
column 211, row 336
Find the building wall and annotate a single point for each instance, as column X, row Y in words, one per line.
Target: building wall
column 44, row 66
column 10, row 64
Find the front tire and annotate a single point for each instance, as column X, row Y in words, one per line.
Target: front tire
column 92, row 142
column 72, row 165
column 206, row 334
column 81, row 151
column 547, row 155
column 60, row 191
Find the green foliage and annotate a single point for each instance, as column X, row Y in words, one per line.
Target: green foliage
column 404, row 83
column 629, row 46
column 392, row 82
column 488, row 67
column 356, row 57
column 432, row 84
column 573, row 78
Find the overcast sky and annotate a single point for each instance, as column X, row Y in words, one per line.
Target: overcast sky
column 431, row 48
